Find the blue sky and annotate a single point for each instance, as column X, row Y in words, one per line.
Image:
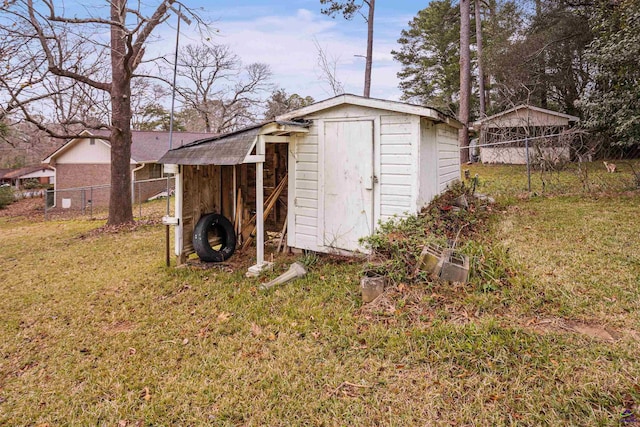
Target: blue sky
column 282, row 33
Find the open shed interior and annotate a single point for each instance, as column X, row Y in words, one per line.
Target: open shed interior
column 230, row 190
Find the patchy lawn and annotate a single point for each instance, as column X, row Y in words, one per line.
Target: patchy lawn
column 96, row 331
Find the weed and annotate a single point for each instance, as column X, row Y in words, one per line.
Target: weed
column 491, row 266
column 309, row 259
column 397, row 243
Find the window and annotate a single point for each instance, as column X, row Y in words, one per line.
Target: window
column 92, row 141
column 155, row 170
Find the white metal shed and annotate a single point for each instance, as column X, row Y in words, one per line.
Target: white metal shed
column 363, row 161
column 352, row 162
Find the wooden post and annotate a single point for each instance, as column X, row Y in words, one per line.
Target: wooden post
column 260, row 150
column 178, row 177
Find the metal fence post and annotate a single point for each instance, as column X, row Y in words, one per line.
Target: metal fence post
column 139, row 200
column 46, row 203
column 526, row 148
column 83, row 200
column 91, row 204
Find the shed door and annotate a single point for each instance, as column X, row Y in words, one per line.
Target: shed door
column 348, row 183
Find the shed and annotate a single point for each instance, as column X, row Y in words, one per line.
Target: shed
column 541, row 127
column 351, row 162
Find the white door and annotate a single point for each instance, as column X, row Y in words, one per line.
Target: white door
column 348, row 183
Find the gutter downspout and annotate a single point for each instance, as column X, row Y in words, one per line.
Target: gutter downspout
column 55, row 186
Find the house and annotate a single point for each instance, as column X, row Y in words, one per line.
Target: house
column 82, row 166
column 503, row 137
column 17, row 177
column 349, row 161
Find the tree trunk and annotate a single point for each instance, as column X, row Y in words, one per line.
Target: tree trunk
column 368, row 66
column 481, row 90
column 465, row 78
column 120, row 206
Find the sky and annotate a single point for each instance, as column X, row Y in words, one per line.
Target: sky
column 282, row 34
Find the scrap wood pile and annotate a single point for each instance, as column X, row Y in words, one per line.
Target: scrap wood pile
column 247, row 231
column 449, row 221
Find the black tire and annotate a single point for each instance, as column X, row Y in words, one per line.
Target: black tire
column 217, row 223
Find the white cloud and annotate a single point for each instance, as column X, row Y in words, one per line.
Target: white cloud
column 286, row 43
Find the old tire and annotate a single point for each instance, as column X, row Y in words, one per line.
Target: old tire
column 222, row 228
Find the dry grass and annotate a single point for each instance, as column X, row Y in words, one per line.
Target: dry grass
column 96, row 331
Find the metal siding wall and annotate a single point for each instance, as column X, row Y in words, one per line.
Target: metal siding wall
column 428, row 164
column 448, row 156
column 303, row 161
column 396, row 165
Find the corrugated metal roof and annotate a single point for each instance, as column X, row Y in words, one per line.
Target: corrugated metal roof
column 229, row 149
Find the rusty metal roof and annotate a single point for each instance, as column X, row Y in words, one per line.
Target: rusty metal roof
column 227, row 149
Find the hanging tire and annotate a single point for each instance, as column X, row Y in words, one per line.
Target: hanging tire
column 216, row 226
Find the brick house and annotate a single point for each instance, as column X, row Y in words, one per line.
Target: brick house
column 82, row 166
column 17, row 177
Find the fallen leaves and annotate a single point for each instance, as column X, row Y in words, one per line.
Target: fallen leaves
column 147, row 395
column 224, row 317
column 256, row 330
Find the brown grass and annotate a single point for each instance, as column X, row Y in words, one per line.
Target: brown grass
column 96, row 331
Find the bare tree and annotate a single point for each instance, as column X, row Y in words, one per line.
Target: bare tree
column 348, row 8
column 329, row 70
column 214, row 84
column 465, row 78
column 147, row 108
column 69, row 47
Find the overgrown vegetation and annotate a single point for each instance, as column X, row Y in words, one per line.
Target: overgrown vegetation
column 453, row 219
column 96, row 331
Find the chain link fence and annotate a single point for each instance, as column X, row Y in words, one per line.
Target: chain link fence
column 148, row 197
column 550, row 159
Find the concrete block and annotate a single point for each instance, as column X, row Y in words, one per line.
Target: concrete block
column 371, row 288
column 429, row 258
column 455, row 267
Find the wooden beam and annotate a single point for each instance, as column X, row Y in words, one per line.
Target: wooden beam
column 269, row 205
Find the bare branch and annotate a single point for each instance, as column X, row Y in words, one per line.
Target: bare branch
column 328, row 70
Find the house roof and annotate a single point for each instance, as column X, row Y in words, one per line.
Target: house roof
column 146, row 146
column 518, row 108
column 3, row 172
column 382, row 104
column 227, row 149
column 17, row 173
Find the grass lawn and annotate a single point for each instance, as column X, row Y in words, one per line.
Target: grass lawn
column 95, row 330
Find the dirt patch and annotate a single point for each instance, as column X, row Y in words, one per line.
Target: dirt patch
column 598, row 332
column 421, row 304
column 119, row 327
column 32, row 209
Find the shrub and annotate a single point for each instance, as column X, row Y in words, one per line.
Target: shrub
column 6, row 196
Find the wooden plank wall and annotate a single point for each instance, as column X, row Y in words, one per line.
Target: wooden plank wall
column 210, row 188
column 201, row 190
